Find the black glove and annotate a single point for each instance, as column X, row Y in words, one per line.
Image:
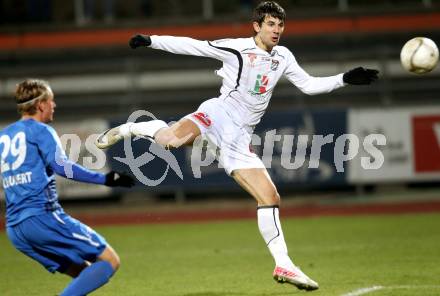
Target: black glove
column 139, row 40
column 359, row 76
column 115, row 179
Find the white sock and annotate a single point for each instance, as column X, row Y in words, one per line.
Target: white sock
column 124, row 129
column 147, row 128
column 270, row 229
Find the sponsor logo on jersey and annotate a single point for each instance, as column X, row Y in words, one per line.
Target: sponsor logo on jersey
column 274, row 65
column 260, row 84
column 202, row 118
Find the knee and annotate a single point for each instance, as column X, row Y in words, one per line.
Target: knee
column 164, row 137
column 270, row 198
column 272, row 195
column 115, row 262
column 111, row 257
column 275, row 197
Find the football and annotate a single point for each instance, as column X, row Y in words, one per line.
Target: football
column 419, row 55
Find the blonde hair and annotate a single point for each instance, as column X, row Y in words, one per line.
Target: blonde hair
column 30, row 92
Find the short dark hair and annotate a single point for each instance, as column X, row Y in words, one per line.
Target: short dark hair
column 268, row 8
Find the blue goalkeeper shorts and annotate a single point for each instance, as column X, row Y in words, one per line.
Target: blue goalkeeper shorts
column 56, row 240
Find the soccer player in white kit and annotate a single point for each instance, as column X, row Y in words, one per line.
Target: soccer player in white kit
column 251, row 69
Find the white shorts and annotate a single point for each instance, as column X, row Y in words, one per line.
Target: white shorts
column 229, row 142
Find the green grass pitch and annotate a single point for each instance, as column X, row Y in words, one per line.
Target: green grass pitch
column 397, row 254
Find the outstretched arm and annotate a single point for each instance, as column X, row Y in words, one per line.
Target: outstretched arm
column 180, row 45
column 55, row 157
column 68, row 169
column 316, row 85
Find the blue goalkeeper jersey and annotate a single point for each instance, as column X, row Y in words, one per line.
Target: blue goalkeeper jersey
column 31, row 154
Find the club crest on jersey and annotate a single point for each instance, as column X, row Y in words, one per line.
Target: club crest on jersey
column 274, row 65
column 203, row 118
column 252, row 57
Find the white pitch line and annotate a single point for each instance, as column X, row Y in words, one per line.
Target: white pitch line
column 363, row 291
column 409, row 287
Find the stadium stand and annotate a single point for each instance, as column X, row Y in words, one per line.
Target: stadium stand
column 94, row 72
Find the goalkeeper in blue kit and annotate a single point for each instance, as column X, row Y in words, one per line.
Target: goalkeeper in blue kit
column 31, row 155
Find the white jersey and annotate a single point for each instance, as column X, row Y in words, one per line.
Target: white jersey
column 249, row 73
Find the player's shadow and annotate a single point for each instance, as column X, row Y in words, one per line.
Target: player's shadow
column 234, row 294
column 214, row 294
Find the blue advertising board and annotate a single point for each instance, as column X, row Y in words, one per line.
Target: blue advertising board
column 297, row 147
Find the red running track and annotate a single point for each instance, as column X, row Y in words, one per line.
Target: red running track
column 190, row 216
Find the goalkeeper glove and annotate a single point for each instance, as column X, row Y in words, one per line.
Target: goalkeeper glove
column 360, row 76
column 139, row 40
column 115, row 179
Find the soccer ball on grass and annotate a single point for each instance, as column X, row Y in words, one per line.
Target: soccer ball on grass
column 419, row 55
